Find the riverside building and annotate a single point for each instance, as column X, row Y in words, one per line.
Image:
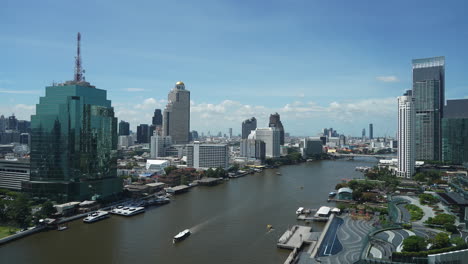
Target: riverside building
column 176, row 116
column 74, row 142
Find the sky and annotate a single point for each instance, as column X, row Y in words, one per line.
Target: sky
column 319, row 64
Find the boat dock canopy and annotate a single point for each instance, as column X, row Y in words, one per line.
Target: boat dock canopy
column 323, row 211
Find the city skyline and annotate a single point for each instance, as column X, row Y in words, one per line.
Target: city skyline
column 316, row 84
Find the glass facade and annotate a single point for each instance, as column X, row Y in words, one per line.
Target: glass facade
column 74, row 144
column 455, row 140
column 428, row 92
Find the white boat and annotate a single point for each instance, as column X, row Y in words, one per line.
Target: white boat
column 300, row 210
column 96, row 216
column 128, row 211
column 61, row 228
column 332, row 194
column 181, row 236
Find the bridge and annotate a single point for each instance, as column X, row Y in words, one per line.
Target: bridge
column 352, row 155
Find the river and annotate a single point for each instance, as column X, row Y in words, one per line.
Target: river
column 228, row 222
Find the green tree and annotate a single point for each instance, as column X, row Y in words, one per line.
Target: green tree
column 441, row 219
column 169, row 169
column 19, row 212
column 48, row 209
column 458, row 241
column 441, row 240
column 414, row 244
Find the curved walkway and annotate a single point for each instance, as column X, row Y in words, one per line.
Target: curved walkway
column 428, row 212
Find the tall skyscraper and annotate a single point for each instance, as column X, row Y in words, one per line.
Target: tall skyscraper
column 12, row 123
column 406, row 136
column 276, row 122
column 124, row 128
column 455, row 131
column 74, row 142
column 2, row 123
column 143, row 135
column 157, row 117
column 363, row 133
column 428, row 93
column 247, row 126
column 371, row 131
column 176, row 116
column 230, row 132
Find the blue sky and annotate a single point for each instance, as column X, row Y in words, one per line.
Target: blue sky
column 337, row 64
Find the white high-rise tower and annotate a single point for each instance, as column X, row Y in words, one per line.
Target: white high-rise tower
column 406, row 136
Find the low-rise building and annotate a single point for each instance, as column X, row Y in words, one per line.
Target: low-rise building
column 13, row 172
column 205, row 156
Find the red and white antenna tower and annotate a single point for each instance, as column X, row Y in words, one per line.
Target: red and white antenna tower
column 78, row 70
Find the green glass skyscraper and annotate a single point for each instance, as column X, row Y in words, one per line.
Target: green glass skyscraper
column 74, row 143
column 455, row 131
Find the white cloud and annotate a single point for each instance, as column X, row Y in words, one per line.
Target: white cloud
column 299, row 117
column 19, row 91
column 134, row 89
column 390, row 78
column 21, row 111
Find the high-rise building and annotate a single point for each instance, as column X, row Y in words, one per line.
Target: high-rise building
column 247, row 126
column 205, row 156
column 194, row 135
column 428, row 93
column 371, row 131
column 143, row 134
column 157, row 118
column 124, row 128
column 406, row 136
column 363, row 133
column 230, row 132
column 74, row 142
column 12, row 123
column 3, row 123
column 276, row 122
column 23, row 126
column 176, row 116
column 311, row 147
column 271, row 137
column 455, row 131
column 159, row 144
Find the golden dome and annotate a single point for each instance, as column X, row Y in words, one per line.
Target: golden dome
column 180, row 83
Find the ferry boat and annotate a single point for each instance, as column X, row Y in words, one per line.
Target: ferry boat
column 62, row 227
column 128, row 211
column 331, row 194
column 181, row 236
column 96, row 216
column 278, row 173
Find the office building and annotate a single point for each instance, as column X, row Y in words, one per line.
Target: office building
column 311, row 147
column 12, row 123
column 271, row 137
column 193, row 135
column 125, row 142
column 3, row 123
column 247, row 126
column 252, row 148
column 13, row 172
column 371, row 131
column 25, row 138
column 428, row 94
column 176, row 116
column 157, row 118
column 205, row 156
column 455, row 131
column 159, row 144
column 230, row 132
column 124, row 128
column 276, row 122
column 74, row 142
column 363, row 133
column 406, row 136
column 143, row 134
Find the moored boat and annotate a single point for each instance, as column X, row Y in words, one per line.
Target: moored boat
column 96, row 216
